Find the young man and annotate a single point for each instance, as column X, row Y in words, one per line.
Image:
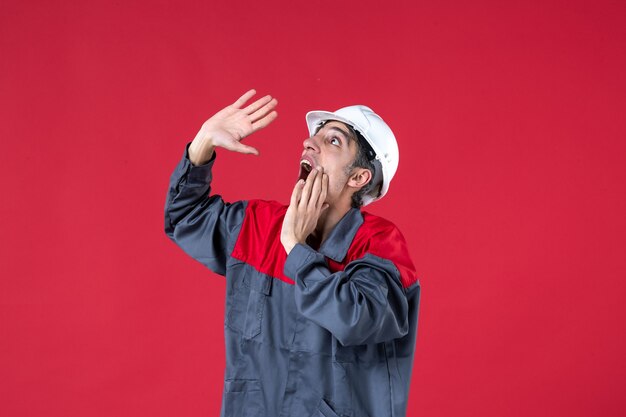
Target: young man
column 322, row 299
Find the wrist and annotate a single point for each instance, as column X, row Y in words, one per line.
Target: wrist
column 288, row 244
column 201, row 150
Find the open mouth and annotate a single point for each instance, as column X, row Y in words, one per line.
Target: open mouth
column 305, row 169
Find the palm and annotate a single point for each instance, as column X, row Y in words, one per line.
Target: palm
column 230, row 125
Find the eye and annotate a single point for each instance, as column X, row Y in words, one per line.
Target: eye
column 335, row 141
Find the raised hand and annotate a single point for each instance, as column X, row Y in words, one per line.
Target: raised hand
column 230, row 125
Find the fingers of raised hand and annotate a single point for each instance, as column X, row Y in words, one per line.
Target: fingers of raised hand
column 258, row 104
column 264, row 115
column 261, row 123
column 245, row 97
column 256, row 115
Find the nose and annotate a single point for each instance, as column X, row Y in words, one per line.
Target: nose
column 311, row 143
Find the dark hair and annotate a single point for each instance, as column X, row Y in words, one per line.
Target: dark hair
column 362, row 160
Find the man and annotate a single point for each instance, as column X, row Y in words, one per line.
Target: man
column 322, row 299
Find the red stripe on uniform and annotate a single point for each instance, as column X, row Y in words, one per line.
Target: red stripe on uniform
column 258, row 243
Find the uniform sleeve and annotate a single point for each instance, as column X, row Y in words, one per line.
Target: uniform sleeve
column 203, row 226
column 365, row 303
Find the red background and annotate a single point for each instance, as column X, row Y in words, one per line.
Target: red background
column 510, row 192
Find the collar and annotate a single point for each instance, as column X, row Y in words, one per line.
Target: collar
column 340, row 238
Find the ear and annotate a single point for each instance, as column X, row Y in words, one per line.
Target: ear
column 359, row 177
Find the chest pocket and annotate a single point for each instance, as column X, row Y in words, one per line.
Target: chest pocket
column 246, row 298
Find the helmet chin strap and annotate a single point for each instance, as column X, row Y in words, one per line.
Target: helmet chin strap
column 378, row 175
column 371, row 155
column 377, row 178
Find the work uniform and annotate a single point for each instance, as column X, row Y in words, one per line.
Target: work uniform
column 327, row 332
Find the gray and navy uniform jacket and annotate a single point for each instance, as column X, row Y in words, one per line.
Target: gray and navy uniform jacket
column 327, row 332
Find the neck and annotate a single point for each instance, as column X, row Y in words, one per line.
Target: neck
column 327, row 222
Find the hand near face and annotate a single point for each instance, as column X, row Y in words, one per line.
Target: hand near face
column 230, row 125
column 306, row 206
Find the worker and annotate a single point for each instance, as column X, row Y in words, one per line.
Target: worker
column 321, row 297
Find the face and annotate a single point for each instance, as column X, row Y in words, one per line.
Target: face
column 333, row 148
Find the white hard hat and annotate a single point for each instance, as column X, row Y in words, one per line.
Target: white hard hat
column 375, row 131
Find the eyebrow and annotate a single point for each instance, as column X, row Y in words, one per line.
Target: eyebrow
column 343, row 132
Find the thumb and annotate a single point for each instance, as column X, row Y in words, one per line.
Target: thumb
column 325, row 206
column 241, row 148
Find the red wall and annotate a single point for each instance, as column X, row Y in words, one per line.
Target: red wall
column 510, row 120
